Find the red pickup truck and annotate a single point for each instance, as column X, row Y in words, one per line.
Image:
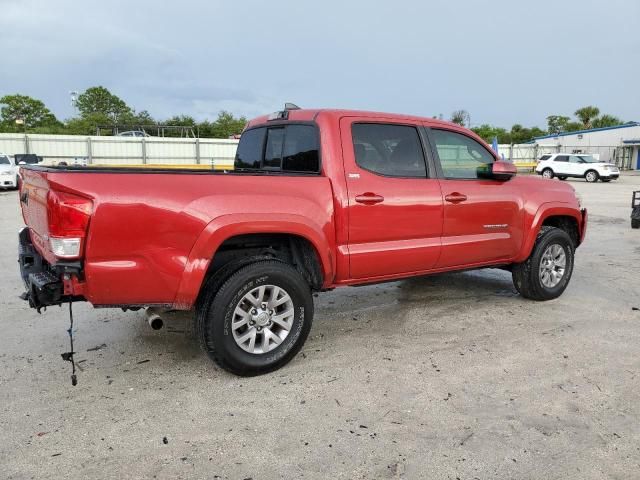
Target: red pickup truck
column 317, row 199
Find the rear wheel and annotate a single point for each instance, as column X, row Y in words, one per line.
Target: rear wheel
column 258, row 320
column 547, row 271
column 547, row 173
column 591, row 176
column 562, row 177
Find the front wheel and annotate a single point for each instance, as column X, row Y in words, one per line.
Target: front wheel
column 547, row 173
column 547, row 271
column 591, row 176
column 258, row 320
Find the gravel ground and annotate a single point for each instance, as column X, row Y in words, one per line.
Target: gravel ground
column 451, row 376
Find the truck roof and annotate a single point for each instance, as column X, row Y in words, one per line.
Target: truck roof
column 311, row 114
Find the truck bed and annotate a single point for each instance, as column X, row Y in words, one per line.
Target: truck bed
column 151, row 228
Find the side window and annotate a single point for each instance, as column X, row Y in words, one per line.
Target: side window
column 562, row 158
column 461, row 156
column 575, row 159
column 386, row 149
column 545, row 157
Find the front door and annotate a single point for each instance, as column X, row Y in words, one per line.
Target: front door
column 395, row 209
column 482, row 218
column 577, row 166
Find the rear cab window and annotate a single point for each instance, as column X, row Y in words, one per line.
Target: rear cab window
column 285, row 148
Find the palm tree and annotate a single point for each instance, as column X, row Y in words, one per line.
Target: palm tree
column 605, row 120
column 587, row 114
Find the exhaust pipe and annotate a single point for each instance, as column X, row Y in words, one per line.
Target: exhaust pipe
column 154, row 319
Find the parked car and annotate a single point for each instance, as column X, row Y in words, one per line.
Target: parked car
column 133, row 133
column 8, row 172
column 564, row 165
column 318, row 199
column 27, row 158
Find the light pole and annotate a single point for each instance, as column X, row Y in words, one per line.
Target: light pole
column 73, row 94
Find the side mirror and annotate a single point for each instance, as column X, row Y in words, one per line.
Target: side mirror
column 501, row 171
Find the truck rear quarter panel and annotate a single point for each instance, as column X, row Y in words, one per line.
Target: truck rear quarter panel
column 152, row 232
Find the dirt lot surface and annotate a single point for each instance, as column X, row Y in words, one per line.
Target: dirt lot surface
column 452, row 376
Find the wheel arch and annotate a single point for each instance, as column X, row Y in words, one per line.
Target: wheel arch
column 308, row 246
column 555, row 215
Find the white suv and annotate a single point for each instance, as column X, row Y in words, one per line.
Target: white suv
column 563, row 165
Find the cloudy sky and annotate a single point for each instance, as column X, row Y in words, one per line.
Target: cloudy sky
column 504, row 61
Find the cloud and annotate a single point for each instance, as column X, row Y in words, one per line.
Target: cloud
column 506, row 62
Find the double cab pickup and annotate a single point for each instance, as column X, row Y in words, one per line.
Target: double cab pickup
column 317, row 199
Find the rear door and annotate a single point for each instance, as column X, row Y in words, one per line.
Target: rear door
column 483, row 219
column 395, row 202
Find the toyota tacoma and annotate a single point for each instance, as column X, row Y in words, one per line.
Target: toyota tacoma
column 317, row 199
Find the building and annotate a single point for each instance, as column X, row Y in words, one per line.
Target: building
column 619, row 144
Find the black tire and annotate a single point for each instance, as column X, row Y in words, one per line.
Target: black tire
column 211, row 287
column 605, row 180
column 526, row 276
column 591, row 176
column 547, row 173
column 562, row 178
column 215, row 332
column 635, row 223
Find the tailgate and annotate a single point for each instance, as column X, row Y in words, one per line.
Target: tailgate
column 33, row 201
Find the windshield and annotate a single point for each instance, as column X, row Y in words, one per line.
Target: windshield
column 588, row 159
column 4, row 160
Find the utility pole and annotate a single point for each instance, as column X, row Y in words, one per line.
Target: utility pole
column 73, row 94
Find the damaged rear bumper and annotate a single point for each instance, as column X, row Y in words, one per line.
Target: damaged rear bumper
column 43, row 282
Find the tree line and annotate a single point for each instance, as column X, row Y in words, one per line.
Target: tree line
column 585, row 118
column 97, row 106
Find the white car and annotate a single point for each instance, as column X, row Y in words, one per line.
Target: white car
column 8, row 172
column 133, row 133
column 564, row 165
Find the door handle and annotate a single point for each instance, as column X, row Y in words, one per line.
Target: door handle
column 455, row 197
column 369, row 198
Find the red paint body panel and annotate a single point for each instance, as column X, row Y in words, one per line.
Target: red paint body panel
column 152, row 235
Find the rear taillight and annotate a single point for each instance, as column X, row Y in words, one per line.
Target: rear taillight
column 68, row 217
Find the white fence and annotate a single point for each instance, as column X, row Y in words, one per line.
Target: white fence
column 122, row 150
column 205, row 151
